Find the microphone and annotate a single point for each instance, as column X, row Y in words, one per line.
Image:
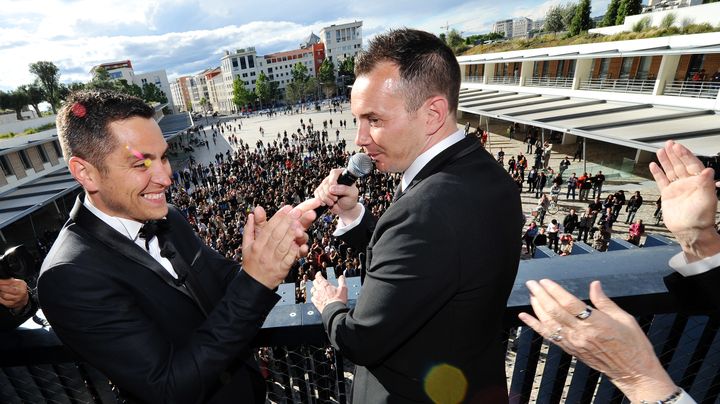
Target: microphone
column 359, row 165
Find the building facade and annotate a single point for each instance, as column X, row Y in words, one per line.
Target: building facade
column 342, row 41
column 123, row 70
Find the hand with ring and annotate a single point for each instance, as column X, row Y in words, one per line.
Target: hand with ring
column 606, row 338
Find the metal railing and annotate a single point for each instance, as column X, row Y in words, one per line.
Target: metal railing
column 546, row 81
column 619, row 85
column 695, row 89
column 474, row 79
column 504, row 80
column 301, row 367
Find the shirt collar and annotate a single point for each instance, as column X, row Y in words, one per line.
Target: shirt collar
column 422, row 160
column 126, row 227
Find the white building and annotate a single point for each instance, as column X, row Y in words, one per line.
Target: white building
column 342, row 41
column 505, row 27
column 243, row 64
column 521, row 27
column 123, row 70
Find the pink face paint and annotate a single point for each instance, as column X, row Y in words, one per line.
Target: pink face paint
column 139, row 156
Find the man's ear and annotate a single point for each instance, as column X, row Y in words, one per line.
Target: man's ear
column 436, row 109
column 84, row 172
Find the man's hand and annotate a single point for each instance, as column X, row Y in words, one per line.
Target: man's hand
column 323, row 293
column 269, row 251
column 609, row 340
column 689, row 201
column 13, row 293
column 341, row 199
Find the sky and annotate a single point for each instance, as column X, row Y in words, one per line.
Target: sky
column 187, row 36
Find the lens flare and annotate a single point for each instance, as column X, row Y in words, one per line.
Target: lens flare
column 446, row 384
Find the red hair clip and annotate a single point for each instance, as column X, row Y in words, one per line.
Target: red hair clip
column 78, row 110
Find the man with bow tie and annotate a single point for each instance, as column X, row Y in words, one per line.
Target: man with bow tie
column 130, row 287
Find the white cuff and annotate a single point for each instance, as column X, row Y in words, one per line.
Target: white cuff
column 679, row 263
column 684, row 398
column 343, row 228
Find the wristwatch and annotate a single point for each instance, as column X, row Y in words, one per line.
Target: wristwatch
column 672, row 398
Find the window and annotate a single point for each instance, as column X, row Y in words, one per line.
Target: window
column 234, row 62
column 244, row 74
column 25, row 160
column 58, row 151
column 560, row 69
column 43, row 155
column 252, row 73
column 269, row 69
column 644, row 68
column 6, row 167
column 625, row 68
column 243, row 65
column 604, row 66
column 251, row 62
column 115, row 75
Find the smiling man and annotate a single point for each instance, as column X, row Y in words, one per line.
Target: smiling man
column 131, row 288
column 442, row 258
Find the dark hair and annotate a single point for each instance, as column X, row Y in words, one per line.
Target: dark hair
column 82, row 123
column 427, row 65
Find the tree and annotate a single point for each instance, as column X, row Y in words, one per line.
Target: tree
column 101, row 80
column 131, row 89
column 263, row 88
column 241, row 95
column 152, row 93
column 49, row 77
column 14, row 100
column 611, row 13
column 553, row 20
column 568, row 13
column 34, row 95
column 293, row 93
column 66, row 89
column 326, row 76
column 626, row 8
column 581, row 21
column 443, row 37
column 456, row 42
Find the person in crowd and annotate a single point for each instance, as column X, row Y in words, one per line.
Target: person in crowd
column 540, row 182
column 585, row 182
column 597, row 183
column 405, row 97
column 542, row 207
column 566, row 244
column 632, row 207
column 578, row 152
column 618, row 202
column 564, row 164
column 540, row 239
column 131, row 288
column 553, row 234
column 529, row 238
column 635, row 231
column 571, row 186
column 531, row 179
column 570, row 221
column 585, row 223
column 609, row 339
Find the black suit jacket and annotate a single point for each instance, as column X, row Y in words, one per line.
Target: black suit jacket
column 695, row 293
column 119, row 309
column 441, row 262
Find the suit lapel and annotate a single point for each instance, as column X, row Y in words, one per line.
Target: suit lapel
column 447, row 156
column 115, row 241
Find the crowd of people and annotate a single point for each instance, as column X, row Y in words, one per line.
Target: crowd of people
column 217, row 197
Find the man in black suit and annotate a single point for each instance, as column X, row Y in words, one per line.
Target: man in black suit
column 130, row 287
column 609, row 339
column 442, row 258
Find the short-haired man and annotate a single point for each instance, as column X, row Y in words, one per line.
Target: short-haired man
column 442, row 258
column 130, row 287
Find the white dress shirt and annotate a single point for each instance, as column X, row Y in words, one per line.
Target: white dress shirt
column 679, row 263
column 130, row 229
column 409, row 174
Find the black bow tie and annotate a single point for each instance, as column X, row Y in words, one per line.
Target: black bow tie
column 152, row 228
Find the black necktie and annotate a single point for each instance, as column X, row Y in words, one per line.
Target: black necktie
column 152, row 228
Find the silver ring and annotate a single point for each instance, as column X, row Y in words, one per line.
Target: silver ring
column 556, row 335
column 585, row 313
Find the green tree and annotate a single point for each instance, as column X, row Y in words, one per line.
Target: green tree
column 101, row 80
column 568, row 13
column 456, row 42
column 611, row 13
column 131, row 89
column 242, row 96
column 581, row 21
column 34, row 95
column 152, row 93
column 49, row 77
column 66, row 89
column 263, row 89
column 554, row 20
column 293, row 93
column 626, row 8
column 15, row 100
column 443, row 37
column 326, row 76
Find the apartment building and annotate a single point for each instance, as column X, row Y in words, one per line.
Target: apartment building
column 636, row 93
column 342, row 41
column 123, row 70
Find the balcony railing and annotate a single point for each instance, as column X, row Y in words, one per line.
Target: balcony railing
column 695, row 89
column 505, row 80
column 301, row 367
column 619, row 85
column 474, row 79
column 545, row 81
